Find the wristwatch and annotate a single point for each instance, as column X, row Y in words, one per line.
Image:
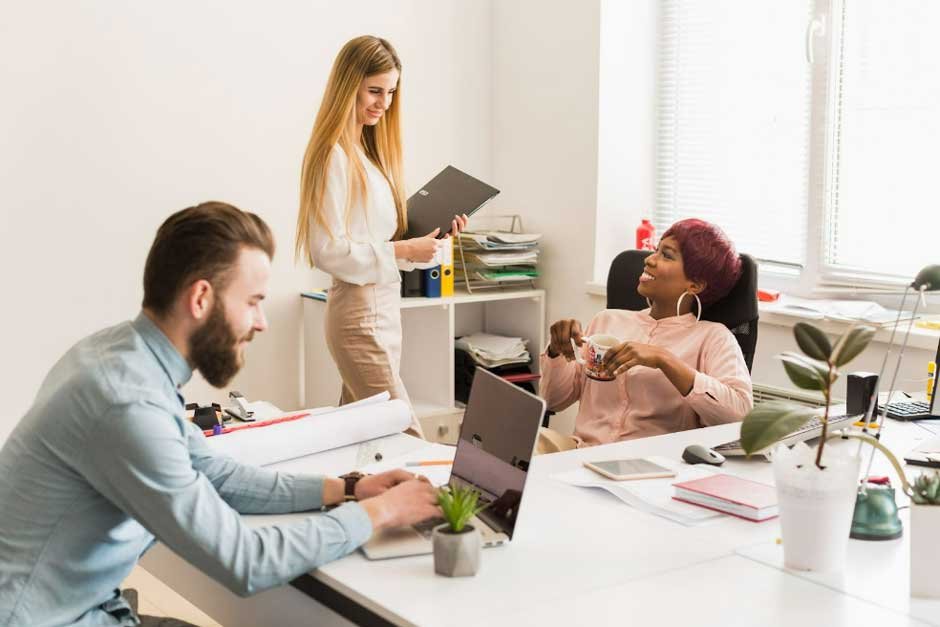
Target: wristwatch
column 350, row 479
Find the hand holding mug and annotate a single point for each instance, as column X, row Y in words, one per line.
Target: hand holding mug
column 624, row 356
column 599, row 346
column 566, row 338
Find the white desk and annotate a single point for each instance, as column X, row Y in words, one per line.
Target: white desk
column 579, row 556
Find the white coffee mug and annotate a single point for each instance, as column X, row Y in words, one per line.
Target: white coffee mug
column 598, row 345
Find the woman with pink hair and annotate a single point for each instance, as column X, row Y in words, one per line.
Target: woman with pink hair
column 669, row 370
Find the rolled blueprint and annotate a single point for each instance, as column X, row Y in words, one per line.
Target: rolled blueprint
column 322, row 430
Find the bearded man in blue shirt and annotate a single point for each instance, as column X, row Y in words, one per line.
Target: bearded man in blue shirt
column 104, row 462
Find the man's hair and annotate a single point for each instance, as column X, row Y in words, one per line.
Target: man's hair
column 201, row 242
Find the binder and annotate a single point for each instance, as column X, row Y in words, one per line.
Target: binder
column 447, row 267
column 411, row 284
column 431, row 282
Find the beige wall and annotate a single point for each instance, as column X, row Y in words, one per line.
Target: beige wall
column 116, row 114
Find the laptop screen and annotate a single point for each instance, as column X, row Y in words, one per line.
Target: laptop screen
column 496, row 442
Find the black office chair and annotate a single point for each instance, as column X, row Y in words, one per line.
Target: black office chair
column 737, row 310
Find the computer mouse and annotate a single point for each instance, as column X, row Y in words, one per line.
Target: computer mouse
column 698, row 454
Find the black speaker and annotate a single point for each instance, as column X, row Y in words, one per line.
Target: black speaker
column 859, row 389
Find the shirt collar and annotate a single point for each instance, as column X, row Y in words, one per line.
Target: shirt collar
column 672, row 321
column 170, row 359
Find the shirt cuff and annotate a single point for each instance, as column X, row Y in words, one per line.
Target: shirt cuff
column 308, row 492
column 701, row 386
column 353, row 518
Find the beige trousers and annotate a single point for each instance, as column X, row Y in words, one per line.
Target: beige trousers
column 363, row 334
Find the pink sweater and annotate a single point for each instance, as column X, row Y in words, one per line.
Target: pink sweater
column 642, row 402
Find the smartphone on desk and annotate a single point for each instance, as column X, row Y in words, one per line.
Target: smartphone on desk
column 627, row 469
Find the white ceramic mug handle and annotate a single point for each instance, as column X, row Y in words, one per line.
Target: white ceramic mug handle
column 577, row 352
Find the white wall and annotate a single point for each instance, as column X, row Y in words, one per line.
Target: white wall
column 545, row 79
column 116, row 114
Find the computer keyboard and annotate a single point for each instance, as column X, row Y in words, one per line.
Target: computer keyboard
column 812, row 429
column 909, row 410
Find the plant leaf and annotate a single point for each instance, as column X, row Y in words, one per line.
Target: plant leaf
column 770, row 421
column 851, row 344
column 805, row 373
column 812, row 341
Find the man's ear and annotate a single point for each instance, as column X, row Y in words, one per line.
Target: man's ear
column 198, row 299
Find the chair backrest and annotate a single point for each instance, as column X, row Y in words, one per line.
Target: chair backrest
column 737, row 310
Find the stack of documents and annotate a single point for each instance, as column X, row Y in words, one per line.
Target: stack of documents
column 499, row 257
column 861, row 311
column 490, row 351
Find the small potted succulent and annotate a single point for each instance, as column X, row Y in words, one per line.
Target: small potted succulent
column 816, row 495
column 456, row 543
column 925, row 521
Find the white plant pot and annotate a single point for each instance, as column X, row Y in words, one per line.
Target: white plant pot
column 925, row 550
column 457, row 554
column 815, row 505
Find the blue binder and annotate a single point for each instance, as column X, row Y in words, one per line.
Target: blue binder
column 431, row 282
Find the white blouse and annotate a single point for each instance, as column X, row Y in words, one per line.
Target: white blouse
column 361, row 252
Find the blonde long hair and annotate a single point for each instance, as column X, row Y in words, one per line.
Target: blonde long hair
column 336, row 124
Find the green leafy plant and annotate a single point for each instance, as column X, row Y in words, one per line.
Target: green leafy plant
column 459, row 505
column 816, row 369
column 926, row 489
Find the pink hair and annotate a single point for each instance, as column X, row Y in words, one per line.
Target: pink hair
column 708, row 256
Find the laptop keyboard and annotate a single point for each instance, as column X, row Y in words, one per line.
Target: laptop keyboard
column 812, row 429
column 427, row 527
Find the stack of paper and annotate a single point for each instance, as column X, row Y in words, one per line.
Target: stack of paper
column 494, row 350
column 497, row 256
column 845, row 310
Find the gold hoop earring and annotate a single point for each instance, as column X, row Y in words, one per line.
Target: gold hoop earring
column 698, row 312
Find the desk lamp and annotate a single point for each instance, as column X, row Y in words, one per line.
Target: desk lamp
column 876, row 512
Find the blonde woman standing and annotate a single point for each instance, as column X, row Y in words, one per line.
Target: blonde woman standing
column 353, row 216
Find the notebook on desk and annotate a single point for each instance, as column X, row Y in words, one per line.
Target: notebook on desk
column 497, row 439
column 732, row 495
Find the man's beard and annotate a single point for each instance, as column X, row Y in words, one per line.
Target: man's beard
column 213, row 348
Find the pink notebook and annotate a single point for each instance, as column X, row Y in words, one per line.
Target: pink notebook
column 731, row 495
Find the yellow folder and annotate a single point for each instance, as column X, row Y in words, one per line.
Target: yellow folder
column 447, row 267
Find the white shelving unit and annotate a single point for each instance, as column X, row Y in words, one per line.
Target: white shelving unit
column 429, row 328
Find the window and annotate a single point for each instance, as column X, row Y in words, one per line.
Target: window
column 733, row 122
column 807, row 129
column 883, row 211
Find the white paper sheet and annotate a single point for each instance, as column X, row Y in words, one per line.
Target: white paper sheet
column 437, row 475
column 650, row 495
column 326, row 428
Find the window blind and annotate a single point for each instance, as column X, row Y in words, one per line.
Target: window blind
column 733, row 122
column 883, row 215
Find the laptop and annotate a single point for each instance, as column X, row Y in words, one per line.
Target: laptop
column 450, row 193
column 918, row 410
column 496, row 443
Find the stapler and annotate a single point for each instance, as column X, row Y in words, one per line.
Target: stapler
column 240, row 409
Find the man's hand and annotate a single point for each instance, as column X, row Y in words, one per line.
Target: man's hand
column 624, row 356
column 562, row 333
column 407, row 503
column 374, row 485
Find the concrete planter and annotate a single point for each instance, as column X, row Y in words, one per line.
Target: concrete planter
column 925, row 550
column 457, row 554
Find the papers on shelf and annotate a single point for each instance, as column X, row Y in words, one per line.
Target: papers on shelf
column 324, row 429
column 653, row 496
column 494, row 259
column 494, row 350
column 845, row 310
